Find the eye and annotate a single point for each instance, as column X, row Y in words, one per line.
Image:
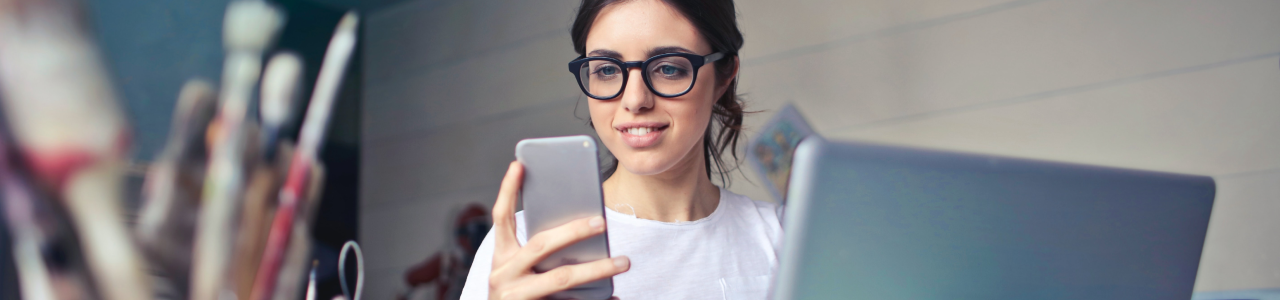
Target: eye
column 668, row 70
column 607, row 70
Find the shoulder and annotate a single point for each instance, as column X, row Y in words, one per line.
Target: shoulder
column 766, row 210
column 763, row 213
column 758, row 217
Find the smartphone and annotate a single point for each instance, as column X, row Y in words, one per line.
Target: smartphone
column 562, row 184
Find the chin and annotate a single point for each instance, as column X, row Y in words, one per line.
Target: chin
column 646, row 164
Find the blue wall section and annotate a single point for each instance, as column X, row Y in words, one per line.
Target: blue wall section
column 152, row 47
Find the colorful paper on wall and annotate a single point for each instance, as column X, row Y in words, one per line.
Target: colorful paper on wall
column 771, row 151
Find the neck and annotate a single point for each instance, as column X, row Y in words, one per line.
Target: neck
column 681, row 194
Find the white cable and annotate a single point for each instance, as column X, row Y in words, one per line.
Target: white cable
column 342, row 272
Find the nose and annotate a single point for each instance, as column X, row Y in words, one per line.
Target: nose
column 636, row 97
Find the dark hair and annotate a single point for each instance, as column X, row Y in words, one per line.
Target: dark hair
column 716, row 21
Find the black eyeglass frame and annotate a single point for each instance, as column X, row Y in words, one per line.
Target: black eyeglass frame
column 695, row 61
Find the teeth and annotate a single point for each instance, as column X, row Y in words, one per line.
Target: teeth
column 639, row 130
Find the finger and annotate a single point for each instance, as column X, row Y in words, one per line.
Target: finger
column 566, row 277
column 547, row 242
column 504, row 214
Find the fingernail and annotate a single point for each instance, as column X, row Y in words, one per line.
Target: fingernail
column 596, row 222
column 621, row 262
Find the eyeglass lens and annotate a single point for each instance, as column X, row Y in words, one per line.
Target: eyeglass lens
column 670, row 75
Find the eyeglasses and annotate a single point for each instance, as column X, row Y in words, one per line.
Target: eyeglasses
column 667, row 75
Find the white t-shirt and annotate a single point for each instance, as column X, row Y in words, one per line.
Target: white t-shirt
column 730, row 254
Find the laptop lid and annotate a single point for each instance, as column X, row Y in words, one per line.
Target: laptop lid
column 868, row 221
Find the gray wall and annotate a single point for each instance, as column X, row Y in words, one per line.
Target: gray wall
column 1174, row 85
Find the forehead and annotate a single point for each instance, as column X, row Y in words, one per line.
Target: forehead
column 632, row 28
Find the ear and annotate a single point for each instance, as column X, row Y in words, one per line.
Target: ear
column 722, row 85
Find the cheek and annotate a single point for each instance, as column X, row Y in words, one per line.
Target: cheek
column 601, row 113
column 703, row 96
column 706, row 85
column 694, row 111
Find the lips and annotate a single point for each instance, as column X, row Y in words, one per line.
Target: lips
column 641, row 134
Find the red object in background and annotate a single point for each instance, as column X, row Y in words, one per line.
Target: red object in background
column 447, row 269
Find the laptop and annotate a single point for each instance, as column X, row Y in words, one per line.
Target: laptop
column 868, row 221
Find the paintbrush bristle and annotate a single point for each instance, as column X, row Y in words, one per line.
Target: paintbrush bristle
column 250, row 24
column 279, row 88
column 197, row 104
column 196, row 97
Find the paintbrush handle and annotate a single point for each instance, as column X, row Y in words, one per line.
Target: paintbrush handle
column 327, row 85
column 281, row 229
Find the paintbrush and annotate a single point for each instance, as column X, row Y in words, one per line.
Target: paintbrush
column 69, row 130
column 299, row 250
column 280, row 86
column 341, row 46
column 172, row 188
column 280, row 81
column 249, row 28
column 21, row 216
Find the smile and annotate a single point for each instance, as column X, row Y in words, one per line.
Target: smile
column 641, row 135
column 642, row 130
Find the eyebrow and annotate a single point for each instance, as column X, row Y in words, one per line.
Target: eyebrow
column 605, row 53
column 668, row 49
column 652, row 52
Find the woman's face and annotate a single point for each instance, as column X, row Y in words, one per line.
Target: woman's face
column 650, row 134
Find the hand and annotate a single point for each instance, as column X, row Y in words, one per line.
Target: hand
column 512, row 276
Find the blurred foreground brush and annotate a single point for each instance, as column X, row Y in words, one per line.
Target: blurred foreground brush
column 302, row 168
column 38, row 227
column 66, row 122
column 280, row 81
column 20, row 213
column 171, row 191
column 298, row 253
column 249, row 28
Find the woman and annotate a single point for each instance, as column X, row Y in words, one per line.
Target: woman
column 662, row 77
